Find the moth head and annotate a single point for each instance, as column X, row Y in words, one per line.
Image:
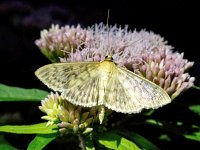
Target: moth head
column 109, row 58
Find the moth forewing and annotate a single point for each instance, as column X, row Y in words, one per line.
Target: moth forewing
column 58, row 76
column 103, row 83
column 149, row 94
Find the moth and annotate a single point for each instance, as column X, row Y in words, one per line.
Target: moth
column 103, row 84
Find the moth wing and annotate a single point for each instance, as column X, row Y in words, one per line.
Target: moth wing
column 127, row 92
column 77, row 82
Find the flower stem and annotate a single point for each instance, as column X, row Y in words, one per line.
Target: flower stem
column 196, row 87
column 82, row 142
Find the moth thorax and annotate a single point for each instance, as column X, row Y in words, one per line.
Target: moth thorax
column 107, row 67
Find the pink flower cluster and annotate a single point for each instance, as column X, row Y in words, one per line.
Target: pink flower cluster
column 142, row 52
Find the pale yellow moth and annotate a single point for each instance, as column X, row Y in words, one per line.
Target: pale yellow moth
column 103, row 84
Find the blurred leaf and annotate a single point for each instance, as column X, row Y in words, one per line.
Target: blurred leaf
column 196, row 87
column 195, row 136
column 115, row 141
column 89, row 143
column 192, row 133
column 148, row 112
column 178, row 123
column 7, row 147
column 164, row 137
column 139, row 140
column 9, row 93
column 40, row 128
column 195, row 109
column 4, row 145
column 154, row 122
column 168, row 126
column 40, row 141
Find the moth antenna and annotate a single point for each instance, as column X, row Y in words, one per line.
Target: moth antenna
column 108, row 32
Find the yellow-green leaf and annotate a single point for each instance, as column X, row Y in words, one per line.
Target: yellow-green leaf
column 40, row 141
column 139, row 140
column 116, row 142
column 9, row 93
column 40, row 128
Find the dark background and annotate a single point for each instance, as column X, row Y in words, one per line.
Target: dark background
column 21, row 21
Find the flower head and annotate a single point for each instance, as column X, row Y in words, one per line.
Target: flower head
column 71, row 118
column 145, row 53
column 59, row 41
column 166, row 69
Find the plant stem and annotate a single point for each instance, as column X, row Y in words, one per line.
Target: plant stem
column 82, row 142
column 196, row 87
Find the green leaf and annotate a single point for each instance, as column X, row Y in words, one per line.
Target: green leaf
column 40, row 128
column 40, row 141
column 115, row 141
column 89, row 143
column 139, row 140
column 195, row 109
column 195, row 136
column 9, row 93
column 4, row 145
